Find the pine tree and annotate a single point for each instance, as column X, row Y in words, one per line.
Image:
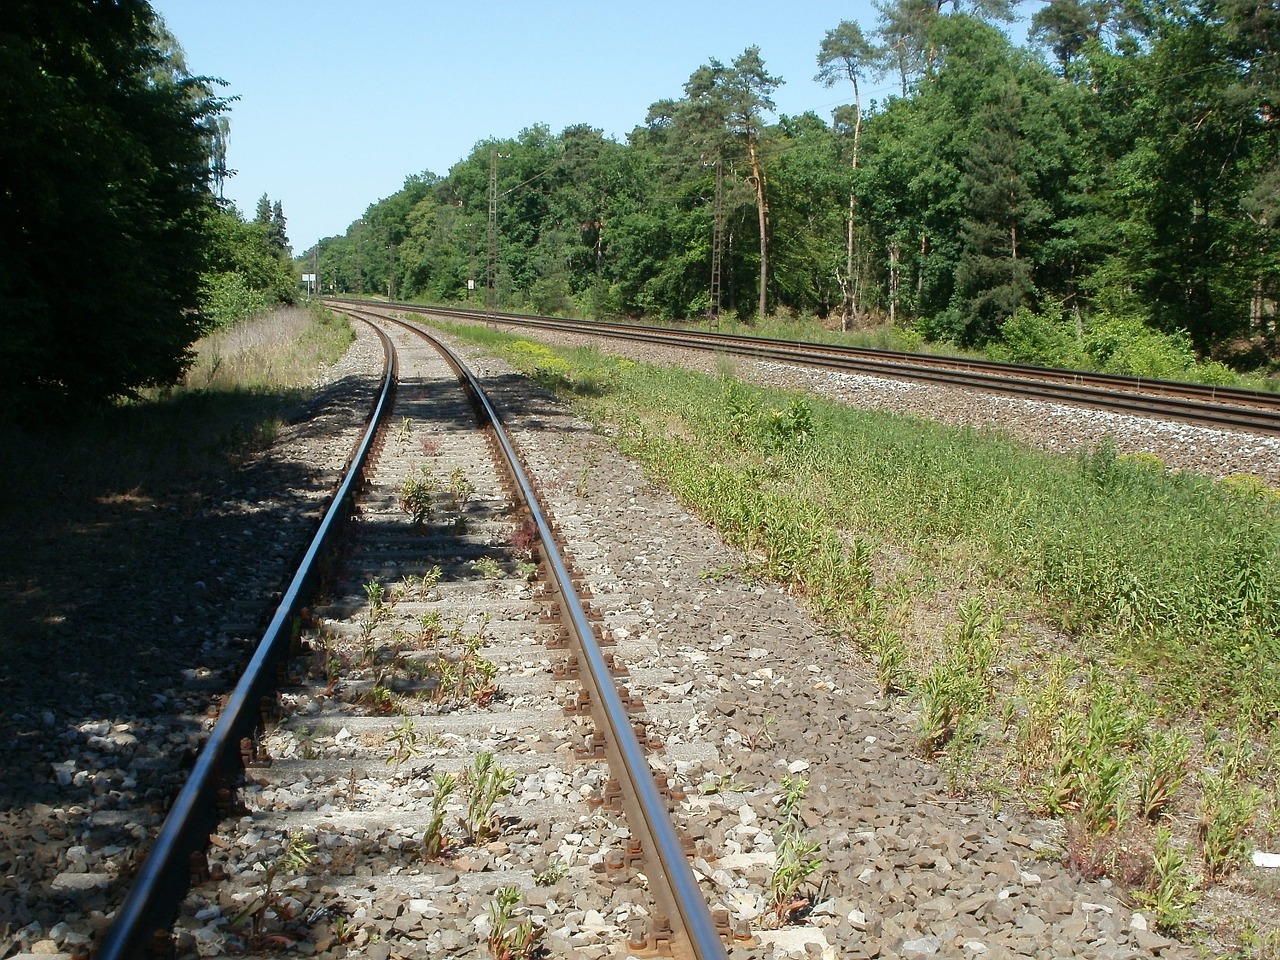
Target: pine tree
column 993, row 275
column 276, row 229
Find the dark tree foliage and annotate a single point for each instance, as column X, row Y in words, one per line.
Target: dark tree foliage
column 992, row 278
column 104, row 168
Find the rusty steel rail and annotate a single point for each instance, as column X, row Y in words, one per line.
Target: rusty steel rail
column 152, row 901
column 693, row 930
column 1216, row 407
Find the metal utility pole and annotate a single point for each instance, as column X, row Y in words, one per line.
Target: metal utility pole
column 471, row 270
column 491, row 296
column 359, row 257
column 717, row 245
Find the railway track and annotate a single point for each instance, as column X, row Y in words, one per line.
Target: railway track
column 1208, row 406
column 751, row 700
column 451, row 764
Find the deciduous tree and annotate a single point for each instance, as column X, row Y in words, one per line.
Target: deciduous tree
column 104, row 202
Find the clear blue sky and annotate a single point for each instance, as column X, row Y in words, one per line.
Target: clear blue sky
column 341, row 101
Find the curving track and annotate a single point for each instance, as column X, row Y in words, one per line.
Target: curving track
column 741, row 688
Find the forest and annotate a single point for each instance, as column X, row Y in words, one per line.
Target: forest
column 117, row 249
column 1106, row 193
column 1103, row 195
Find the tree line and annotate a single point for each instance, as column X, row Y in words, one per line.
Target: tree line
column 116, row 249
column 1117, row 176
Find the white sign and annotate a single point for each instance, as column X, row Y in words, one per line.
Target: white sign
column 308, row 278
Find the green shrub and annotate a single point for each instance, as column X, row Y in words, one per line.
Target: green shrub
column 1128, row 346
column 226, row 298
column 1045, row 339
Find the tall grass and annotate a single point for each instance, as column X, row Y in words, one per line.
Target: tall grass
column 284, row 348
column 245, row 381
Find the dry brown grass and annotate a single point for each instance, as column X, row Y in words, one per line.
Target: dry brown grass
column 285, row 348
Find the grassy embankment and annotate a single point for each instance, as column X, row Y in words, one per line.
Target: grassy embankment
column 1097, row 638
column 67, row 485
column 245, row 382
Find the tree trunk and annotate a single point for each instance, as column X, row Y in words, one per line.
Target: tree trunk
column 850, row 306
column 895, row 258
column 762, row 214
column 850, row 298
column 924, row 249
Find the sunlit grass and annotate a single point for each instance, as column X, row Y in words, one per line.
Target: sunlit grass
column 1169, row 573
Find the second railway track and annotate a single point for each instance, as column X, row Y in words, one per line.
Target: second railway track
column 1214, row 407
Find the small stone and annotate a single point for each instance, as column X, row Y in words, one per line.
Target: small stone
column 1150, row 942
column 924, row 945
column 72, row 883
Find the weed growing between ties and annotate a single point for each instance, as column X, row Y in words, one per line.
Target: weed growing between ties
column 797, row 859
column 399, row 657
column 509, row 938
column 292, row 858
column 1072, row 632
column 434, row 840
column 485, row 784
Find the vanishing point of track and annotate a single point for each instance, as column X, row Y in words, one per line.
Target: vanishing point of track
column 407, row 647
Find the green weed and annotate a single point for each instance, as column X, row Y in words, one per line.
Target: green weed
column 510, row 939
column 552, row 874
column 433, row 839
column 417, row 497
column 488, row 784
column 296, row 854
column 955, row 693
column 1173, row 894
column 488, row 568
column 403, row 739
column 890, row 657
column 1226, row 811
column 795, row 862
column 1160, row 773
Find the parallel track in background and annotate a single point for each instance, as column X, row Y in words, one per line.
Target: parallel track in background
column 381, row 539
column 1207, row 406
